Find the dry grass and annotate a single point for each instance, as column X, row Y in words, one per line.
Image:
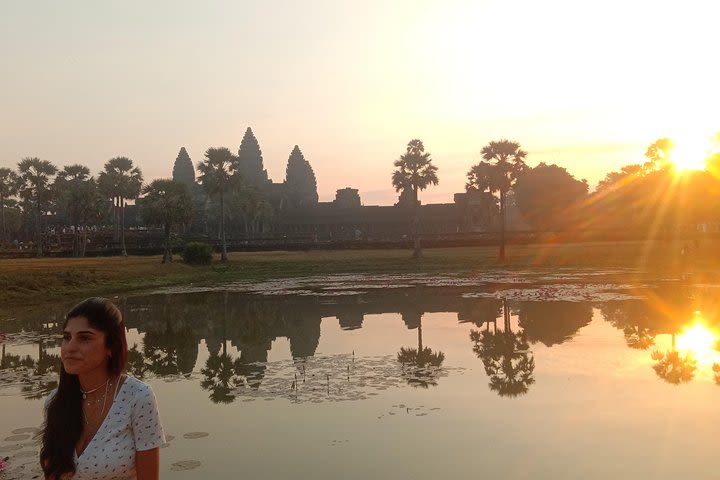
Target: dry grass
column 48, row 279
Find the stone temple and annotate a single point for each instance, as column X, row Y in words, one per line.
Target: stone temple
column 290, row 210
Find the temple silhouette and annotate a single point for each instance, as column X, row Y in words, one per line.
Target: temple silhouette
column 290, row 209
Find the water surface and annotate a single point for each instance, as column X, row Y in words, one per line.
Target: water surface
column 354, row 378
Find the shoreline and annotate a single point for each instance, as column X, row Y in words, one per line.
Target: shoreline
column 45, row 280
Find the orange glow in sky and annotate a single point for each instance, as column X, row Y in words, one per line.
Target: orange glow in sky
column 690, row 153
column 584, row 85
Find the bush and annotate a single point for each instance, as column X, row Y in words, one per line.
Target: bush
column 197, row 253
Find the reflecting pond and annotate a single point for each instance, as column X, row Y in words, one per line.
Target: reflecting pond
column 347, row 377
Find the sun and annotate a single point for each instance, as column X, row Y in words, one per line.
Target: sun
column 689, row 154
column 699, row 340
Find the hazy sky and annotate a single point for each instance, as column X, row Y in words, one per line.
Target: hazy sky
column 583, row 84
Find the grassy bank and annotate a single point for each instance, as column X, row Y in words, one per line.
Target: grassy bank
column 25, row 281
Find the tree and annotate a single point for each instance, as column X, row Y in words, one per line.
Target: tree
column 553, row 323
column 673, row 367
column 79, row 198
column 420, row 366
column 506, row 357
column 8, row 188
column 34, row 188
column 169, row 203
column 254, row 207
column 120, row 181
column 221, row 377
column 503, row 162
column 414, row 171
column 658, row 155
column 548, row 196
column 614, row 180
column 217, row 180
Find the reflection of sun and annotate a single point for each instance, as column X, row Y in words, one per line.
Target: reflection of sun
column 699, row 340
column 689, row 154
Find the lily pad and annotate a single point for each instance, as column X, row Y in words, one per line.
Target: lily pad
column 185, row 465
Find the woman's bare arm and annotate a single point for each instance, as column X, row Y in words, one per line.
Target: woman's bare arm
column 147, row 464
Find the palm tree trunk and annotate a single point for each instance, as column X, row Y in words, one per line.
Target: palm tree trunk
column 506, row 316
column 122, row 226
column 223, row 253
column 84, row 241
column 76, row 241
column 224, row 334
column 417, row 250
column 2, row 214
column 116, row 219
column 38, row 231
column 420, row 346
column 502, row 227
column 167, row 256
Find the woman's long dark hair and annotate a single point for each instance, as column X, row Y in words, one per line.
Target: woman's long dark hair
column 64, row 419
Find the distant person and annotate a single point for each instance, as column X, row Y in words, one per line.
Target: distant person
column 99, row 423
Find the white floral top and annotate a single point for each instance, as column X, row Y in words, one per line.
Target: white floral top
column 132, row 425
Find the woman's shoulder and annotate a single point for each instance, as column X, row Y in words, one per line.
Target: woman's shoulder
column 136, row 386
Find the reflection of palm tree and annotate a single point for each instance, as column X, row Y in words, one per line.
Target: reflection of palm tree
column 637, row 321
column 222, row 374
column 136, row 364
column 420, row 367
column 674, row 368
column 506, row 357
column 221, row 377
column 169, row 352
column 638, row 337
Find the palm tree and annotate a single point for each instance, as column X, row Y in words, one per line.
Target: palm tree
column 503, row 162
column 8, row 188
column 216, row 177
column 672, row 367
column 79, row 197
column 136, row 364
column 34, row 183
column 415, row 171
column 638, row 337
column 120, row 181
column 167, row 202
column 420, row 366
column 221, row 377
column 506, row 357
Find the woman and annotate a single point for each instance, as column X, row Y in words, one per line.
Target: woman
column 99, row 423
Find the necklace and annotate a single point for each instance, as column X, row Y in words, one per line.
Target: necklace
column 85, row 392
column 87, row 420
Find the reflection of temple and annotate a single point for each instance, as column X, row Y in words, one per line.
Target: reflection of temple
column 295, row 211
column 174, row 326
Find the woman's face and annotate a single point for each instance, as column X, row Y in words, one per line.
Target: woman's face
column 83, row 348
